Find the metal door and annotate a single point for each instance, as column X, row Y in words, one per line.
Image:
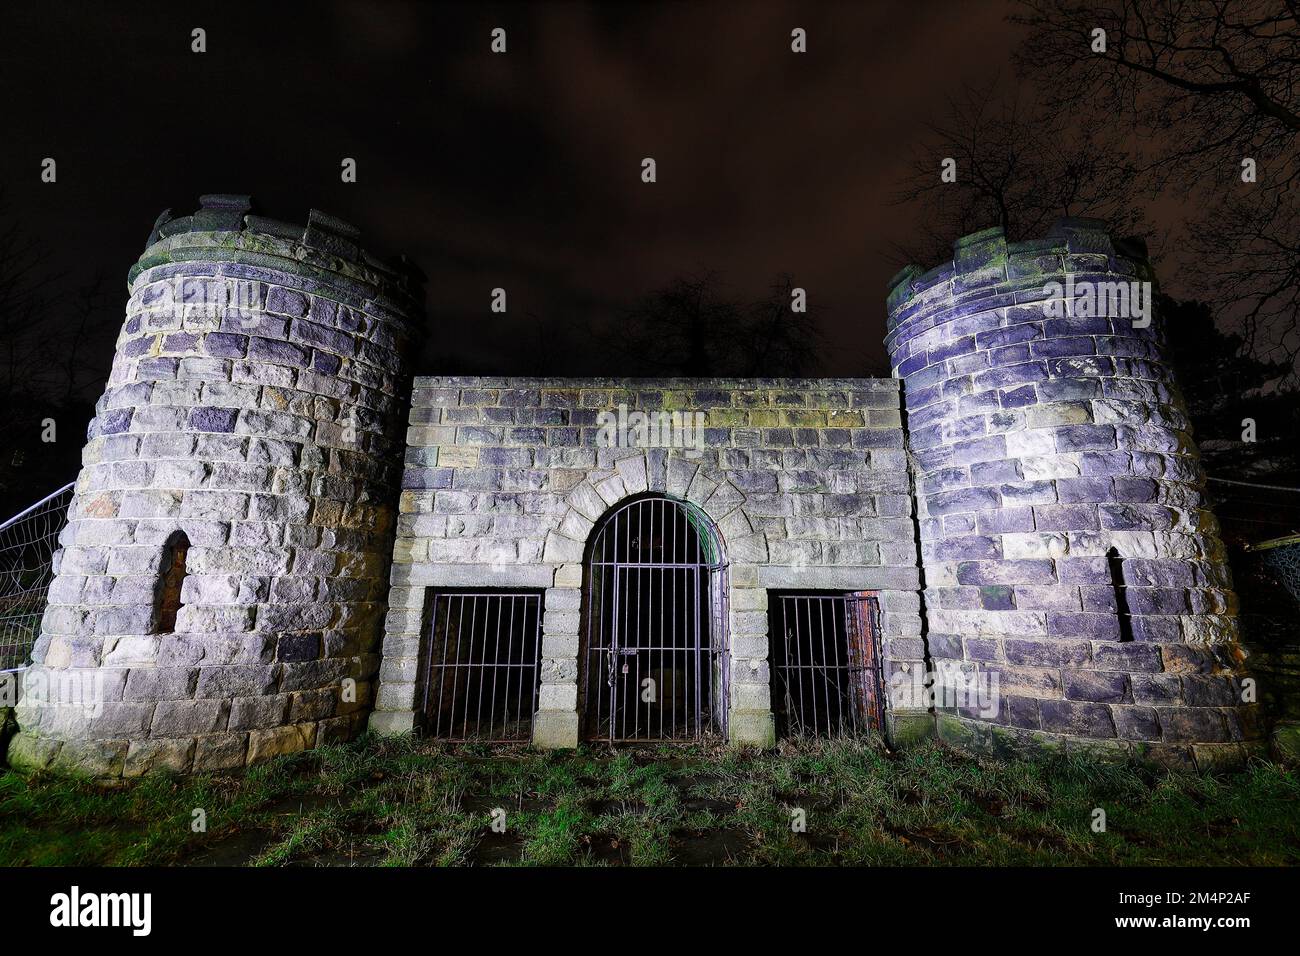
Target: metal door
column 655, row 662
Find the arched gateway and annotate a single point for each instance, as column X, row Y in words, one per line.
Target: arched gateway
column 654, row 635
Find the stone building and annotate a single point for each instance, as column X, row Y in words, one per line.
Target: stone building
column 1006, row 543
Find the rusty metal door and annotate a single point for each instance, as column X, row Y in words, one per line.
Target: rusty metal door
column 825, row 663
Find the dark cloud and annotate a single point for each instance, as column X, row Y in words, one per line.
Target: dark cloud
column 519, row 171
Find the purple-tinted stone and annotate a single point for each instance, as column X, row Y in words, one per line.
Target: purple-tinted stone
column 1107, row 688
column 982, row 401
column 1105, row 463
column 1019, row 397
column 931, row 436
column 1080, row 367
column 1045, row 653
column 1009, row 355
column 1127, row 657
column 1077, row 718
column 326, row 363
column 324, row 311
column 997, row 597
column 1098, row 627
column 1137, row 723
column 965, row 499
column 1158, row 572
column 972, row 547
column 1073, row 490
column 429, row 479
column 877, row 438
column 157, row 368
column 1098, row 599
column 1023, row 712
column 1156, row 688
column 1064, row 348
column 286, row 301
column 992, row 448
column 958, row 524
column 1076, row 325
column 945, row 479
column 1012, row 335
column 1006, row 520
column 1194, row 725
column 961, row 346
column 945, row 646
column 1135, row 489
column 293, row 648
column 225, row 345
column 1156, row 600
column 1037, row 571
column 208, row 419
column 180, row 342
column 350, row 320
column 282, row 353
column 910, row 365
column 1215, row 691
column 313, row 334
column 993, row 472
column 138, row 346
column 1084, row 437
column 115, row 421
column 1029, row 492
column 1159, row 630
column 1069, row 389
column 1066, row 518
column 962, row 428
column 1011, row 375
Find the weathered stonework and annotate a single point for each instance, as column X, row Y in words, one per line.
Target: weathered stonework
column 1044, row 463
column 806, row 482
column 1067, row 545
column 254, row 405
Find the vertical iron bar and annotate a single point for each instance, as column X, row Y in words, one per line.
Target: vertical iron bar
column 825, row 663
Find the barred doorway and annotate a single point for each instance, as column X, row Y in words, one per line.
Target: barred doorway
column 482, row 666
column 824, row 655
column 655, row 661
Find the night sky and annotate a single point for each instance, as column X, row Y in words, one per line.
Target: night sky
column 519, row 170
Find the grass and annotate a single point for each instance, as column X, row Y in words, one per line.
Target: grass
column 403, row 802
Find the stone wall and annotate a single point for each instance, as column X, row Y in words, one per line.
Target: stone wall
column 1067, row 545
column 254, row 405
column 806, row 482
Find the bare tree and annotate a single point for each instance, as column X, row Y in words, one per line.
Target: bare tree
column 1019, row 167
column 1189, row 91
column 778, row 340
column 684, row 328
column 690, row 327
column 26, row 292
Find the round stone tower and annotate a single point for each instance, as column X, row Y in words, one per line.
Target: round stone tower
column 1076, row 589
column 221, row 586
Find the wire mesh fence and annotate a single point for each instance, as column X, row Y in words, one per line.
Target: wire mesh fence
column 28, row 541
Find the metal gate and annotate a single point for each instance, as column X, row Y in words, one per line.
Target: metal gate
column 655, row 662
column 484, row 650
column 826, row 676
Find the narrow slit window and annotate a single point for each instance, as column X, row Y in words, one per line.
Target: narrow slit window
column 172, row 579
column 1117, row 583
